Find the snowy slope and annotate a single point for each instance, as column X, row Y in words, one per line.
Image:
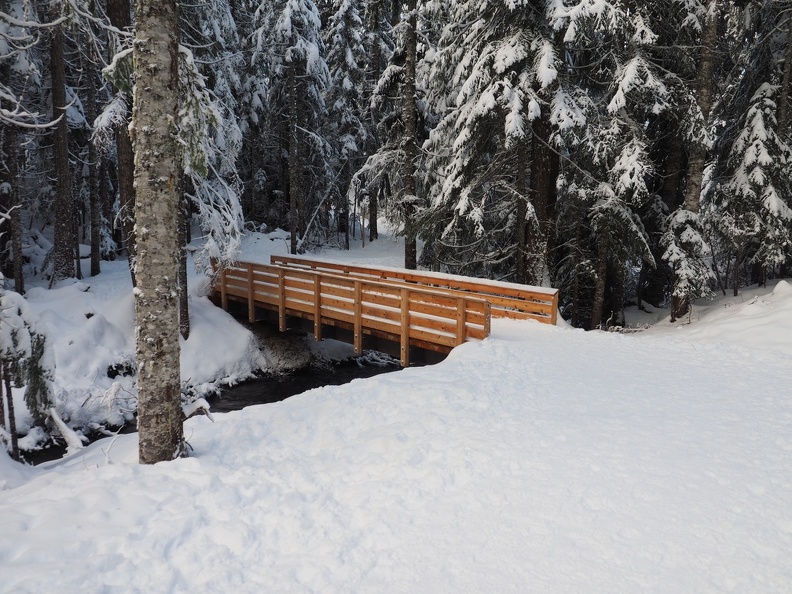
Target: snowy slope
column 539, row 460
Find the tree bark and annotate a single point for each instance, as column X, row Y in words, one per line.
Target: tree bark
column 62, row 262
column 118, row 12
column 12, row 233
column 408, row 144
column 599, row 291
column 786, row 85
column 373, row 214
column 155, row 108
column 704, row 82
column 2, row 399
column 521, row 226
column 94, row 172
column 184, row 303
column 544, row 175
column 12, row 430
column 294, row 159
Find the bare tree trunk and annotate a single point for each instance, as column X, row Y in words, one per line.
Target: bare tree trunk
column 12, row 430
column 119, row 13
column 155, row 108
column 408, row 143
column 736, row 277
column 94, row 172
column 786, row 85
column 697, row 156
column 521, row 226
column 544, row 175
column 698, row 151
column 599, row 291
column 372, row 218
column 76, row 225
column 294, row 159
column 12, row 234
column 184, row 304
column 62, row 258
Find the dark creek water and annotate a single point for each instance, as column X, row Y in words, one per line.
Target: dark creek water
column 274, row 388
column 264, row 390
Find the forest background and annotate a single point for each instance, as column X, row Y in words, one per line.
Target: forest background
column 620, row 151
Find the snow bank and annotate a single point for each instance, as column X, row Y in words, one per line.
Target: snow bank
column 541, row 459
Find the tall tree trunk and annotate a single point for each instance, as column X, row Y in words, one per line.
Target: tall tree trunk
column 786, row 85
column 544, row 175
column 118, row 12
column 184, row 303
column 294, row 158
column 155, row 108
column 373, row 203
column 697, row 156
column 12, row 231
column 94, row 171
column 12, row 429
column 698, row 151
column 409, row 146
column 62, row 257
column 521, row 225
column 2, row 398
column 599, row 291
column 77, row 225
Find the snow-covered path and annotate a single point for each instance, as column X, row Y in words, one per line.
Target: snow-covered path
column 540, row 460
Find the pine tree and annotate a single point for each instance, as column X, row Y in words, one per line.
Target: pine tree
column 494, row 70
column 26, row 360
column 287, row 42
column 600, row 113
column 752, row 209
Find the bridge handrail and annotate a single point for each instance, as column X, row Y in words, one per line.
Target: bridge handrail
column 507, row 299
column 409, row 311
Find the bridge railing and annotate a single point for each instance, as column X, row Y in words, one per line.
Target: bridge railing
column 409, row 314
column 508, row 300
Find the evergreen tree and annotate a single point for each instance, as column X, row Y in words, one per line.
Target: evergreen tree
column 287, row 42
column 493, row 63
column 26, row 360
column 750, row 210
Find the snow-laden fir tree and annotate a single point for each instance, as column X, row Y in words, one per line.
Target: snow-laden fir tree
column 347, row 126
column 494, row 71
column 686, row 251
column 26, row 360
column 394, row 171
column 288, row 46
column 750, row 210
column 600, row 114
column 19, row 78
column 209, row 133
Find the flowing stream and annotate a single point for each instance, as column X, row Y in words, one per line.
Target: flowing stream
column 269, row 388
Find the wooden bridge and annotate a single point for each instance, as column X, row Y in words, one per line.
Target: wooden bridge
column 413, row 309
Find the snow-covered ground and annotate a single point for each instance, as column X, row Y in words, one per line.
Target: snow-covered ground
column 542, row 459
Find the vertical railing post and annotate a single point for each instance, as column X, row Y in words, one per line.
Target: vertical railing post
column 223, row 290
column 317, row 306
column 358, row 306
column 487, row 318
column 461, row 334
column 281, row 301
column 405, row 328
column 251, row 297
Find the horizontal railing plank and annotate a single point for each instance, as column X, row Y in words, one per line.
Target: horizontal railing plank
column 537, row 303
